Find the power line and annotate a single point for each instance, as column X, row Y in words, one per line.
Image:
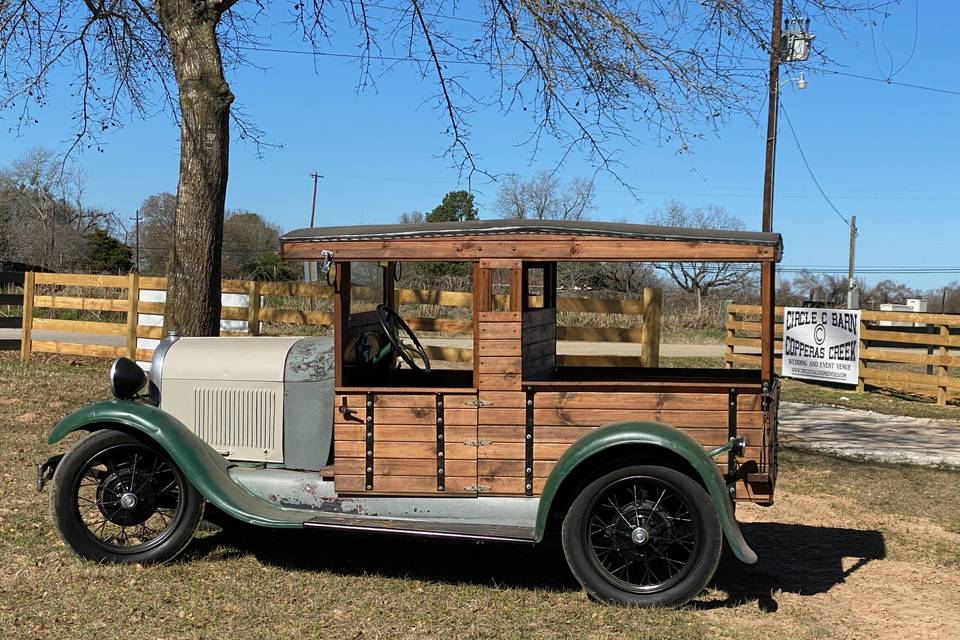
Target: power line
column 809, row 170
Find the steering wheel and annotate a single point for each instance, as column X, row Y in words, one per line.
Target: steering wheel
column 390, row 322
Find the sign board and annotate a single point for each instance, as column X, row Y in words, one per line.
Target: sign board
column 821, row 344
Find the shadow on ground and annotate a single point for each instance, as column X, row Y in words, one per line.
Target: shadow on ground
column 794, row 558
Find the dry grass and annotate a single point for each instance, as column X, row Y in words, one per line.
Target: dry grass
column 257, row 584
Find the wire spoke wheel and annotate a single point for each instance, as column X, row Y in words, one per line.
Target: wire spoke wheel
column 642, row 535
column 129, row 497
column 117, row 498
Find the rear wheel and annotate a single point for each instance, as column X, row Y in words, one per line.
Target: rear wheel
column 643, row 535
column 118, row 498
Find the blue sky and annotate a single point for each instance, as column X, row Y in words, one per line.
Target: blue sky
column 886, row 153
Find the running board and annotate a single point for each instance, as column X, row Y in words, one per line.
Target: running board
column 425, row 528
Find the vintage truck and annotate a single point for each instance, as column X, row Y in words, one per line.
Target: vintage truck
column 636, row 470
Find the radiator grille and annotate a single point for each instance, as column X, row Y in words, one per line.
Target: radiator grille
column 237, row 420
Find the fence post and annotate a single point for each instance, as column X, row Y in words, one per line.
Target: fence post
column 731, row 334
column 253, row 308
column 133, row 309
column 26, row 342
column 862, row 363
column 944, row 353
column 650, row 329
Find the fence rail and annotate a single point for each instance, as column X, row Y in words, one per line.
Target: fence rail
column 10, row 281
column 926, row 343
column 118, row 302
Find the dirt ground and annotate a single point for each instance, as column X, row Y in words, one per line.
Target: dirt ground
column 849, row 550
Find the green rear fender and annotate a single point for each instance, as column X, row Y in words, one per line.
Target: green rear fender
column 654, row 435
column 206, row 469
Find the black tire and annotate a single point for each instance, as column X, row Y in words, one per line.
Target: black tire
column 91, row 508
column 673, row 558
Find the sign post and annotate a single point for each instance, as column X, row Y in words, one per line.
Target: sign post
column 821, row 344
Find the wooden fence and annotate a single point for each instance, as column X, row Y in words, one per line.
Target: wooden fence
column 120, row 307
column 10, row 281
column 885, row 351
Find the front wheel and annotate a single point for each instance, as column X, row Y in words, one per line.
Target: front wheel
column 643, row 535
column 119, row 498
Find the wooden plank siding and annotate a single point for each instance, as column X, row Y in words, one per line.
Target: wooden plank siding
column 405, row 449
column 563, row 417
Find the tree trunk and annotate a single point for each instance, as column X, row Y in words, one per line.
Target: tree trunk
column 193, row 294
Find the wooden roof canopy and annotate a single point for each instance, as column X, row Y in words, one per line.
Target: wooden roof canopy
column 545, row 240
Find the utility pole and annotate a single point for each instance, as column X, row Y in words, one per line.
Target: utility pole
column 853, row 295
column 313, row 205
column 136, row 234
column 773, row 105
column 310, row 268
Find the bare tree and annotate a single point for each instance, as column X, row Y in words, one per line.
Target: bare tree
column 43, row 220
column 157, row 213
column 585, row 71
column 412, row 217
column 543, row 197
column 700, row 278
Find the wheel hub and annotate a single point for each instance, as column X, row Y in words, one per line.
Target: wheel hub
column 120, row 504
column 639, row 536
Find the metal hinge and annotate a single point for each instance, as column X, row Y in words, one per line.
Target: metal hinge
column 477, row 443
column 477, row 403
column 479, row 488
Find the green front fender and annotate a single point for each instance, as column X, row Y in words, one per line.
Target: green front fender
column 206, row 469
column 652, row 434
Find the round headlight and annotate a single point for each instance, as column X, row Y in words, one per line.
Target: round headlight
column 126, row 378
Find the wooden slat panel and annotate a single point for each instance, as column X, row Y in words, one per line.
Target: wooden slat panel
column 445, row 325
column 153, row 283
column 637, row 401
column 156, row 308
column 395, row 467
column 499, row 381
column 674, row 417
column 414, row 416
column 354, row 431
column 76, row 349
column 563, row 248
column 499, row 331
column 707, row 437
column 506, row 485
column 82, row 280
column 295, row 316
column 144, row 331
column 887, row 355
column 502, row 399
column 513, row 468
column 498, row 316
column 433, row 296
column 233, row 313
column 599, row 361
column 84, row 304
column 398, row 485
column 499, row 364
column 80, row 326
column 424, row 450
column 910, row 338
column 499, row 348
column 886, row 376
